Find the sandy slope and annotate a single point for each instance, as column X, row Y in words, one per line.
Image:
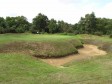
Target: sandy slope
column 84, row 53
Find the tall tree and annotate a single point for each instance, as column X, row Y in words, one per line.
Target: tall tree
column 90, row 23
column 40, row 23
column 2, row 25
column 52, row 26
column 87, row 24
column 17, row 24
column 22, row 24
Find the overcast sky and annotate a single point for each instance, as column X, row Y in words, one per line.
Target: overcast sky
column 68, row 10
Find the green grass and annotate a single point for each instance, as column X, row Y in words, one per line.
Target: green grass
column 5, row 38
column 104, row 38
column 23, row 69
column 17, row 68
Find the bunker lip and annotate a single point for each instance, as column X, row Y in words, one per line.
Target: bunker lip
column 83, row 53
column 53, row 57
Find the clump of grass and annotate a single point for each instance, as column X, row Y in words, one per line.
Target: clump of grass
column 107, row 47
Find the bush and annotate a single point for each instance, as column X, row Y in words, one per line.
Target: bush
column 2, row 30
column 20, row 30
column 111, row 36
column 98, row 33
column 76, row 32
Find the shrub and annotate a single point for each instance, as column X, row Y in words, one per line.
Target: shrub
column 20, row 30
column 111, row 36
column 2, row 30
column 98, row 33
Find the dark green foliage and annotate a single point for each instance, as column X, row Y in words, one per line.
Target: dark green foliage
column 33, row 31
column 2, row 30
column 111, row 36
column 104, row 25
column 52, row 26
column 2, row 25
column 20, row 30
column 98, row 33
column 17, row 24
column 92, row 25
column 40, row 23
column 87, row 24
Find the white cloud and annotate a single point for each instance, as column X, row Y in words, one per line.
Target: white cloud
column 105, row 11
column 68, row 10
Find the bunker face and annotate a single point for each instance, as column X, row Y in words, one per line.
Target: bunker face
column 84, row 53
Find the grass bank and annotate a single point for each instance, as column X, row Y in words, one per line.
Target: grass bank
column 103, row 42
column 43, row 46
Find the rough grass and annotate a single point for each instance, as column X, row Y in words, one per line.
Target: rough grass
column 24, row 69
column 103, row 42
column 40, row 45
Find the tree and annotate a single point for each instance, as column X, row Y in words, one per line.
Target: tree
column 60, row 26
column 81, row 26
column 22, row 24
column 52, row 26
column 17, row 24
column 2, row 25
column 90, row 23
column 40, row 23
column 64, row 27
column 87, row 24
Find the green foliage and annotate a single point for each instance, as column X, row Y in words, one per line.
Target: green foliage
column 104, row 25
column 2, row 30
column 52, row 26
column 89, row 24
column 92, row 25
column 20, row 30
column 98, row 33
column 2, row 25
column 111, row 36
column 17, row 24
column 40, row 23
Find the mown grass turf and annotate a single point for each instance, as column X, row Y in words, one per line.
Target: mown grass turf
column 39, row 45
column 5, row 38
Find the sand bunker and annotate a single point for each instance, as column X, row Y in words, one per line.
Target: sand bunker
column 84, row 53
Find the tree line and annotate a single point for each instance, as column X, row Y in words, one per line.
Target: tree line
column 92, row 25
column 89, row 24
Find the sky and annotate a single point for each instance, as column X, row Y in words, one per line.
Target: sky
column 68, row 10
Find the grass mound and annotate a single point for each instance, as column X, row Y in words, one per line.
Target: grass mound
column 44, row 47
